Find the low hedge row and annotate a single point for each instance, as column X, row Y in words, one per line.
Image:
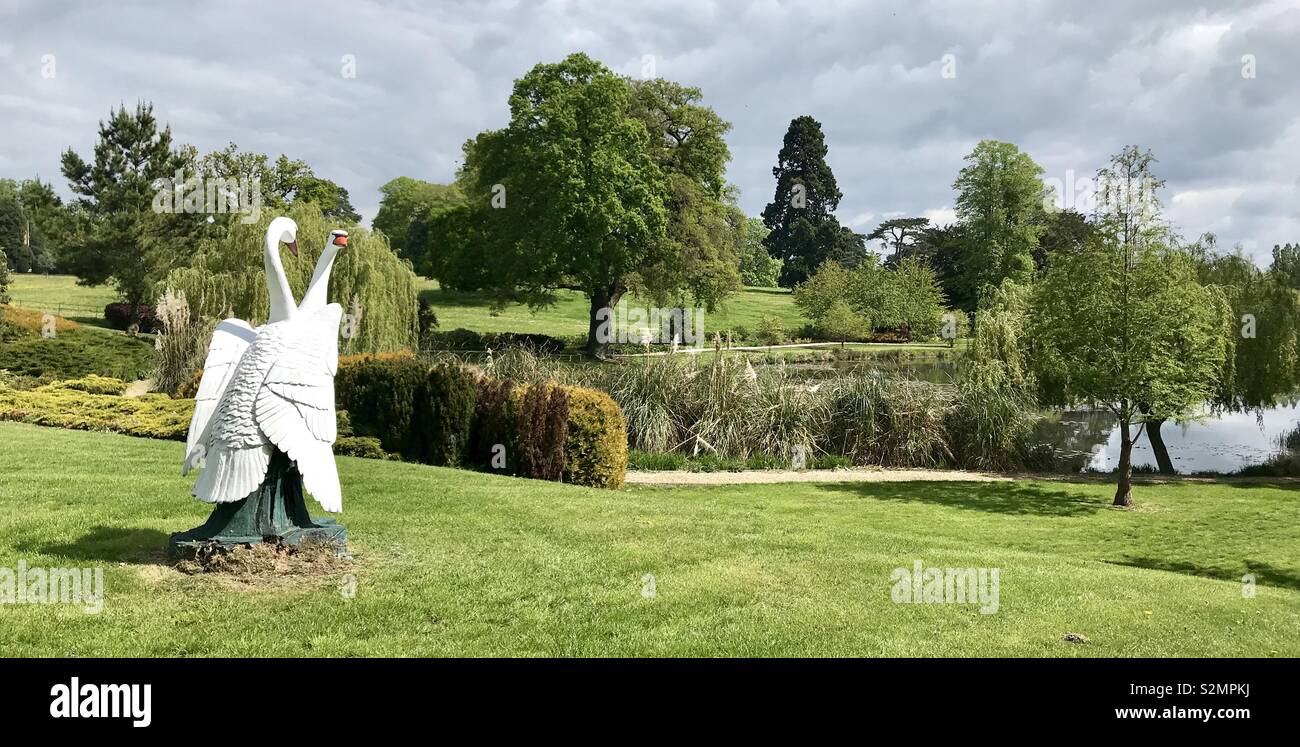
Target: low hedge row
column 445, row 415
column 149, row 416
column 467, row 339
column 391, row 406
column 94, row 404
column 77, row 353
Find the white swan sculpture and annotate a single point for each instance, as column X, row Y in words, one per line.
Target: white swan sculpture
column 271, row 388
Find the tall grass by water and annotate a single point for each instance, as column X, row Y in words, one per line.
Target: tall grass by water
column 726, row 407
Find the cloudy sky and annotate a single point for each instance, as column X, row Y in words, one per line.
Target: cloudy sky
column 903, row 88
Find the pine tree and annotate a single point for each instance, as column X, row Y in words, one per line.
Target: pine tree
column 116, row 190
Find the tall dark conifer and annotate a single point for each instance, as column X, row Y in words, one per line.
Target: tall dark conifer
column 801, row 216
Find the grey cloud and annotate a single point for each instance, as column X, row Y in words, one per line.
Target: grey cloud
column 1069, row 82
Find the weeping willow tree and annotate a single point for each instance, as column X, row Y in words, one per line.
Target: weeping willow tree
column 226, row 278
column 1001, row 338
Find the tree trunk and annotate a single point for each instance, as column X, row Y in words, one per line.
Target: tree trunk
column 1163, row 462
column 598, row 339
column 1124, row 492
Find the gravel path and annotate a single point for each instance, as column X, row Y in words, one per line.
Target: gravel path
column 857, row 474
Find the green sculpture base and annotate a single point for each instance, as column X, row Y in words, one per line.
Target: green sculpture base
column 275, row 512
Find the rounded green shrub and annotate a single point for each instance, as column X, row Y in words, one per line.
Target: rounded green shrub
column 365, row 447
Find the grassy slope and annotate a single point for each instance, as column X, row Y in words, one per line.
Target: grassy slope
column 79, row 352
column 454, row 562
column 568, row 317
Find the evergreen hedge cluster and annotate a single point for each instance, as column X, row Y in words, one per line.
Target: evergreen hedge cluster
column 445, row 415
column 391, row 406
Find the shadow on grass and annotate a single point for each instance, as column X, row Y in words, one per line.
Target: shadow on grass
column 1261, row 481
column 91, row 321
column 463, row 299
column 111, row 544
column 1265, row 573
column 992, row 497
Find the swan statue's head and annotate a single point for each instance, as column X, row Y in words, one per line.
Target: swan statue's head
column 314, row 298
column 338, row 239
column 280, row 231
column 285, row 231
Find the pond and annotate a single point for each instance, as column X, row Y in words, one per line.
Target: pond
column 1223, row 443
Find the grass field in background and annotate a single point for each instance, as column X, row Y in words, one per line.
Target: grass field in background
column 568, row 316
column 61, row 295
column 459, row 563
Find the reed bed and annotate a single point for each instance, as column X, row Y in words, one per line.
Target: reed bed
column 729, row 409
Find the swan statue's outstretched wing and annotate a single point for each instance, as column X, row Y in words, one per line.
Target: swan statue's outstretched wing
column 281, row 395
column 295, row 406
column 229, row 341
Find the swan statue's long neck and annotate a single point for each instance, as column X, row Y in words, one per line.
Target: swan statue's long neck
column 314, row 298
column 277, row 285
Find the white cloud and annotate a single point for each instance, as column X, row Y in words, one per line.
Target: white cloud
column 862, row 222
column 940, row 216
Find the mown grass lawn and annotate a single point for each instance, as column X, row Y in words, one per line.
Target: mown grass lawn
column 458, row 563
column 568, row 316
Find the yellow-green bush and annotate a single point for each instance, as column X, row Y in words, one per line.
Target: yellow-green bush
column 75, row 353
column 68, row 404
column 92, row 384
column 595, row 451
column 150, row 416
column 366, row 447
